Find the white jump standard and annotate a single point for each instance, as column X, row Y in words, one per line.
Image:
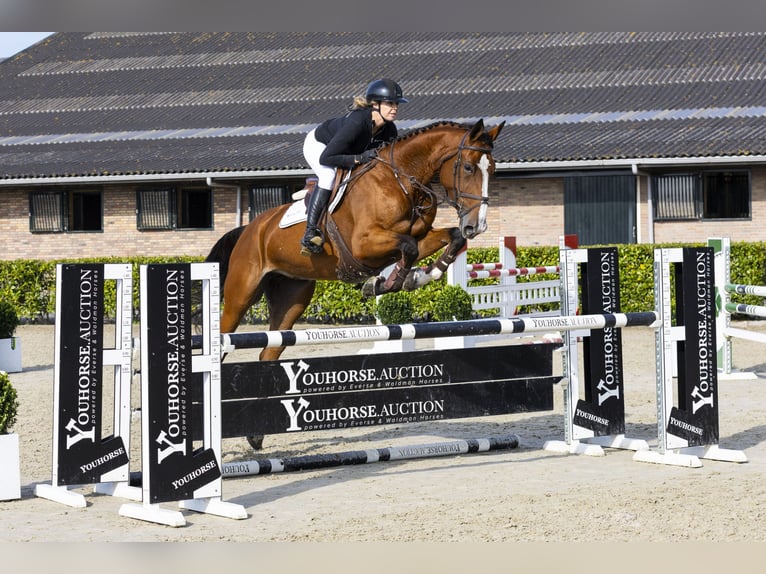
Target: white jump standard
column 688, row 430
column 598, row 419
column 172, row 469
column 724, row 331
column 185, row 412
column 80, row 454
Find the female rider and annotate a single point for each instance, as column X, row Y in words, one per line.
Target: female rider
column 346, row 142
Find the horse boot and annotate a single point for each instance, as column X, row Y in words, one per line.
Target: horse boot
column 312, row 240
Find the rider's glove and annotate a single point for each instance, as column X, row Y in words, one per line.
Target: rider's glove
column 366, row 156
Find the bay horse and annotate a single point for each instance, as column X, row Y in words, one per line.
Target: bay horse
column 385, row 216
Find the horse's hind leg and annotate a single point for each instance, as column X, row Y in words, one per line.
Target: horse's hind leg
column 287, row 299
column 242, row 289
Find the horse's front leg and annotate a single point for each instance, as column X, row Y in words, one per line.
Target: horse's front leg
column 431, row 243
column 408, row 247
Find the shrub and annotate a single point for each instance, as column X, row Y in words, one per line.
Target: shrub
column 394, row 308
column 452, row 303
column 8, row 403
column 9, row 320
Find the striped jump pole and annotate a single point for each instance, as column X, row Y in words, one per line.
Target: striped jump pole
column 758, row 290
column 486, row 273
column 482, row 266
column 753, row 310
column 366, row 456
column 289, row 338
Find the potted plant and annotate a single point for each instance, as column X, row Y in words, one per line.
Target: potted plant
column 10, row 467
column 10, row 346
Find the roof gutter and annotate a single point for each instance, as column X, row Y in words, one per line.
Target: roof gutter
column 156, row 177
column 630, row 163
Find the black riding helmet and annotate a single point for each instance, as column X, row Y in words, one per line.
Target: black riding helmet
column 385, row 90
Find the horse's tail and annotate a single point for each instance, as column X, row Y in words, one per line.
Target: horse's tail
column 221, row 252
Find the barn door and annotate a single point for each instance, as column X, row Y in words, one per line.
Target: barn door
column 601, row 209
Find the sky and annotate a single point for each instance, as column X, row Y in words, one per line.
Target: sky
column 14, row 42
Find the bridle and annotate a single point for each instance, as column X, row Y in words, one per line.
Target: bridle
column 458, row 203
column 459, row 195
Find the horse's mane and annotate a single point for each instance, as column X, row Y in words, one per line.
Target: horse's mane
column 442, row 123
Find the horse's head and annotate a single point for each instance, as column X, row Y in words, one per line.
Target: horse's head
column 466, row 175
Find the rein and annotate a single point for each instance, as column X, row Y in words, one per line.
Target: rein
column 419, row 208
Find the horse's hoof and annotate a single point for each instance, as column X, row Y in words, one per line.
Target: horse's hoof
column 256, row 441
column 415, row 279
column 370, row 287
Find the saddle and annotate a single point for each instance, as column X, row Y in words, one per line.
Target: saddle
column 350, row 269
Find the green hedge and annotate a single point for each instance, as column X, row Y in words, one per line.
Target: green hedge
column 30, row 285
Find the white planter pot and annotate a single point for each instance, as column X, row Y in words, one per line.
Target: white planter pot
column 10, row 467
column 10, row 355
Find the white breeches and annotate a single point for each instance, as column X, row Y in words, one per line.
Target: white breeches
column 312, row 149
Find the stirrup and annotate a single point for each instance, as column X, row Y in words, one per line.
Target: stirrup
column 312, row 246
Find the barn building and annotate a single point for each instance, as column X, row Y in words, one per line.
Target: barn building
column 124, row 144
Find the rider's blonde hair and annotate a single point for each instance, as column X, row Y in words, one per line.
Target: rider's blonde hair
column 360, row 102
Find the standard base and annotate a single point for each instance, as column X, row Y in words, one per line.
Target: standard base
column 119, row 489
column 714, row 452
column 60, row 494
column 618, row 441
column 669, row 458
column 575, row 447
column 215, row 506
column 690, row 456
column 153, row 513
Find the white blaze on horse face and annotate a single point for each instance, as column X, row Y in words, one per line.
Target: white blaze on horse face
column 484, row 167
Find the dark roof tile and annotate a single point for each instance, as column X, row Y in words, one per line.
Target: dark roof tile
column 132, row 103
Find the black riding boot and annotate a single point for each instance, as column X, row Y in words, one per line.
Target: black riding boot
column 312, row 240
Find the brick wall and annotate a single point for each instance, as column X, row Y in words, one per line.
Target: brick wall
column 740, row 230
column 120, row 236
column 530, row 209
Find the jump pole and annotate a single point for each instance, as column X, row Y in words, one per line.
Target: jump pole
column 407, row 331
column 366, row 456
